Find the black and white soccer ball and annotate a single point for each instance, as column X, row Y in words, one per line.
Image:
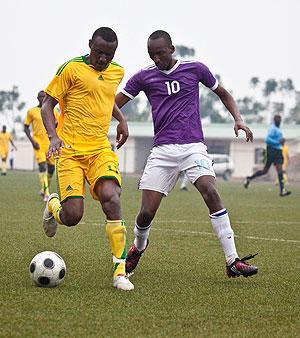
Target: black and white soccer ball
column 47, row 269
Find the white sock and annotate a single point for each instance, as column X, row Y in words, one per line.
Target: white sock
column 141, row 236
column 221, row 225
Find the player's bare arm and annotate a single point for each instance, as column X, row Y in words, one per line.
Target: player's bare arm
column 35, row 144
column 231, row 106
column 122, row 128
column 121, row 100
column 49, row 122
column 12, row 143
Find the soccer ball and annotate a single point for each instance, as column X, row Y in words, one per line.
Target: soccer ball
column 47, row 269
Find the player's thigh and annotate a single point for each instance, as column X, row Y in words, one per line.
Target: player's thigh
column 3, row 155
column 198, row 163
column 103, row 166
column 39, row 155
column 159, row 175
column 70, row 177
column 278, row 158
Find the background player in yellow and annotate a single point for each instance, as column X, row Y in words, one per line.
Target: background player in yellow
column 285, row 155
column 5, row 138
column 40, row 143
column 85, row 88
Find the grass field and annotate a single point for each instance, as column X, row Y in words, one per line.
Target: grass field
column 180, row 286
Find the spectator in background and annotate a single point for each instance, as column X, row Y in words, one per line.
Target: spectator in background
column 5, row 138
column 274, row 141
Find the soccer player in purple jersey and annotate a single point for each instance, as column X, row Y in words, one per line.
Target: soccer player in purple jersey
column 172, row 88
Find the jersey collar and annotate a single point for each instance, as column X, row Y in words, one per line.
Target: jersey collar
column 172, row 69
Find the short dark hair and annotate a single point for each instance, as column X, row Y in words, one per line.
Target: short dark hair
column 106, row 34
column 161, row 34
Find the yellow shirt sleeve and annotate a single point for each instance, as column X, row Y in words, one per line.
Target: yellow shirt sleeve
column 61, row 82
column 28, row 118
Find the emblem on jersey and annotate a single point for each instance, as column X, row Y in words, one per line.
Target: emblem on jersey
column 202, row 164
column 101, row 78
column 69, row 188
column 113, row 168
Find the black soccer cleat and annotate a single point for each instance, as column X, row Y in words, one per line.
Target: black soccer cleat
column 133, row 257
column 240, row 268
column 284, row 193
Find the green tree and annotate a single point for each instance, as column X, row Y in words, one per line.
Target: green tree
column 251, row 109
column 9, row 105
column 184, row 51
column 294, row 114
column 254, row 81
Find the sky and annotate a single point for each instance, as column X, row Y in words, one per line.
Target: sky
column 236, row 39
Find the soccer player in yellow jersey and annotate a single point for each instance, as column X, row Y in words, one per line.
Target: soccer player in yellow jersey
column 40, row 144
column 285, row 155
column 5, row 138
column 85, row 88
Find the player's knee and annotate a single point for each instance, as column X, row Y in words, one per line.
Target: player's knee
column 71, row 219
column 42, row 167
column 71, row 216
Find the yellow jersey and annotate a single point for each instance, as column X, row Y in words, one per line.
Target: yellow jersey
column 86, row 97
column 4, row 141
column 39, row 133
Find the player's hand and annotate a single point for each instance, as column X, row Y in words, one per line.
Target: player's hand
column 55, row 147
column 241, row 125
column 35, row 145
column 122, row 133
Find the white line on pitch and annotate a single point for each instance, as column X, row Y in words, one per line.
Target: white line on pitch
column 195, row 232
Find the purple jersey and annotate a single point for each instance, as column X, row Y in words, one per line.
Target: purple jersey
column 174, row 98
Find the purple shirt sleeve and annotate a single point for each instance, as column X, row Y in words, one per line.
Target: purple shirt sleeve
column 133, row 86
column 205, row 76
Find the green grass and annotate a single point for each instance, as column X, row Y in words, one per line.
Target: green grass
column 180, row 286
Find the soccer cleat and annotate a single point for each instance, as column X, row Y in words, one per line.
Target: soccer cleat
column 122, row 283
column 184, row 189
column 246, row 183
column 285, row 193
column 133, row 257
column 49, row 222
column 240, row 268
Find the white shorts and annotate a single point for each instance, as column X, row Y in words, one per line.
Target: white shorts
column 165, row 163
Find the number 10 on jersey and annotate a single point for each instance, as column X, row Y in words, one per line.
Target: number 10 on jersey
column 173, row 87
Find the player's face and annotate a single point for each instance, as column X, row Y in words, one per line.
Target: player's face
column 101, row 52
column 277, row 120
column 160, row 51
